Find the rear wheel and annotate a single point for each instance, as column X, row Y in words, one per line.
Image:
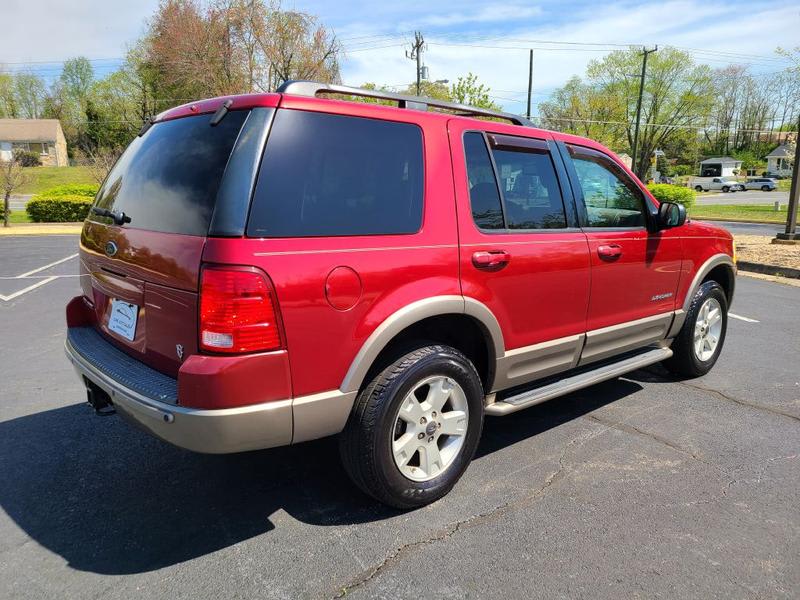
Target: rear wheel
column 415, row 427
column 698, row 188
column 699, row 342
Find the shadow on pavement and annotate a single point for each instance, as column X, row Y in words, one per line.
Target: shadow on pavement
column 111, row 500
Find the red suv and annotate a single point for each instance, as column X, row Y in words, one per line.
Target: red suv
column 267, row 269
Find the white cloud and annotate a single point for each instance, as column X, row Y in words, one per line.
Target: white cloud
column 485, row 14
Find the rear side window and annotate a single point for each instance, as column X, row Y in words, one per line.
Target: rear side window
column 167, row 179
column 487, row 210
column 520, row 191
column 333, row 175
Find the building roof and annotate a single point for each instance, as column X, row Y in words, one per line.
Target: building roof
column 781, row 151
column 720, row 159
column 29, row 130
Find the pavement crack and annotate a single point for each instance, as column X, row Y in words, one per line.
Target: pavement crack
column 626, row 428
column 723, row 396
column 448, row 531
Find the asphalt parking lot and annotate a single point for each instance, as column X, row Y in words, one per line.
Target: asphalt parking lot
column 639, row 487
column 745, row 197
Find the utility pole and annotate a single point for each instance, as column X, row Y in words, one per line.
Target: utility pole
column 530, row 84
column 416, row 54
column 645, row 52
column 794, row 196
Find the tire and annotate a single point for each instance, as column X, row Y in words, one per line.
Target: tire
column 726, row 189
column 375, row 427
column 685, row 360
column 698, row 188
column 765, row 188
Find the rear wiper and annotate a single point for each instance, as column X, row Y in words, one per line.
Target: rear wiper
column 221, row 112
column 120, row 218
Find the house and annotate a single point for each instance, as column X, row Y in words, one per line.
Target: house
column 721, row 166
column 42, row 136
column 779, row 162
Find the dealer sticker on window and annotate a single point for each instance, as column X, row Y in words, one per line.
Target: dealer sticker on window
column 123, row 319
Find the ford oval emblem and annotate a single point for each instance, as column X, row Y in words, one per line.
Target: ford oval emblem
column 111, row 248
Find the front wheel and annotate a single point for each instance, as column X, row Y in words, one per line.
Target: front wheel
column 765, row 188
column 726, row 189
column 415, row 427
column 699, row 342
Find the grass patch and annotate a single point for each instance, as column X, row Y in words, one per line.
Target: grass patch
column 17, row 216
column 784, row 185
column 743, row 212
column 42, row 178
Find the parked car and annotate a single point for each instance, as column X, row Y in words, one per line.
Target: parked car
column 267, row 269
column 765, row 184
column 705, row 184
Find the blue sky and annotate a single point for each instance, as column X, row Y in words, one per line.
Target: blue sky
column 462, row 36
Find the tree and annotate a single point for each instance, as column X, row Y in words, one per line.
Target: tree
column 29, row 93
column 8, row 100
column 467, row 90
column 77, row 76
column 12, row 176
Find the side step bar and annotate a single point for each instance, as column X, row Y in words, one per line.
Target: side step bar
column 576, row 382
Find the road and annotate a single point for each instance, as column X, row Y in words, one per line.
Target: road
column 746, row 197
column 749, row 228
column 639, row 487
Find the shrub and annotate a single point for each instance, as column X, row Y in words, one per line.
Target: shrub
column 679, row 170
column 665, row 192
column 73, row 189
column 27, row 159
column 58, row 209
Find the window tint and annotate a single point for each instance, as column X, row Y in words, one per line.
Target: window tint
column 167, row 179
column 332, row 175
column 487, row 211
column 611, row 198
column 532, row 197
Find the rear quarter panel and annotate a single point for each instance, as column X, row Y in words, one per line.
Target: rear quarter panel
column 393, row 270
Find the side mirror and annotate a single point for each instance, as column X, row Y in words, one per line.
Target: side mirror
column 671, row 214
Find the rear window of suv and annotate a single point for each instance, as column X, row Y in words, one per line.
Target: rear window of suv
column 334, row 175
column 167, row 179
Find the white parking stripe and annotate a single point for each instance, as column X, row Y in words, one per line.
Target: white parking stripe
column 27, row 289
column 47, row 266
column 741, row 318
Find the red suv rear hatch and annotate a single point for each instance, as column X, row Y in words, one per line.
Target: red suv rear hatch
column 142, row 276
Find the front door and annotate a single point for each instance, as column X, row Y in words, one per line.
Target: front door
column 521, row 252
column 635, row 269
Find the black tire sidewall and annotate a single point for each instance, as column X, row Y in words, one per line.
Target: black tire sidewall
column 445, row 362
column 710, row 289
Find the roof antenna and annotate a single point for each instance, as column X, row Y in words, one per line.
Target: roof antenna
column 221, row 112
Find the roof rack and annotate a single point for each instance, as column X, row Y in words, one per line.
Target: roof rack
column 312, row 88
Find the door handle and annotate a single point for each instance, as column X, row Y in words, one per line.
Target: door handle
column 494, row 259
column 609, row 251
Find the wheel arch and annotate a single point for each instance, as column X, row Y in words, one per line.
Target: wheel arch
column 454, row 320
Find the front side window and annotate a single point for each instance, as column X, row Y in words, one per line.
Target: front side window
column 520, row 191
column 333, row 175
column 611, row 198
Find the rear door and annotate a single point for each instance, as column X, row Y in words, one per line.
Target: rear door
column 635, row 270
column 521, row 252
column 142, row 275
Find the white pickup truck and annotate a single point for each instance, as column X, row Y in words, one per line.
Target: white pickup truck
column 705, row 184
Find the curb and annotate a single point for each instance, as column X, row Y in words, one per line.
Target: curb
column 768, row 269
column 42, row 229
column 731, row 220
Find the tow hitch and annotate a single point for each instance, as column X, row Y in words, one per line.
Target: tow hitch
column 99, row 400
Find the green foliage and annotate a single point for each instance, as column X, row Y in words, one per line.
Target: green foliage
column 58, row 209
column 664, row 192
column 681, row 170
column 468, row 91
column 27, row 159
column 88, row 190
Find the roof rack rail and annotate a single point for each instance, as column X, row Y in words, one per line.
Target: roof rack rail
column 312, row 88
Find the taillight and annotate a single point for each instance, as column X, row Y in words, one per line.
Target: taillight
column 237, row 311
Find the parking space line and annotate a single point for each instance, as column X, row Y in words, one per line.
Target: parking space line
column 741, row 318
column 27, row 289
column 47, row 266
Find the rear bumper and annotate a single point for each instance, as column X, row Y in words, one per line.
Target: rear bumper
column 214, row 431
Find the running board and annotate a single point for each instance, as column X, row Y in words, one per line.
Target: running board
column 576, row 382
